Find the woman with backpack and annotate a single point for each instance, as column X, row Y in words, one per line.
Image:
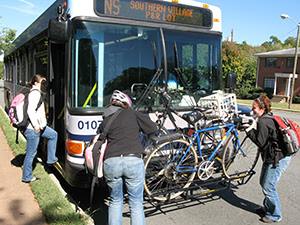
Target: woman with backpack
column 37, row 127
column 123, row 158
column 275, row 160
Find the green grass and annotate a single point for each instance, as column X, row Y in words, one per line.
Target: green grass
column 55, row 207
column 275, row 105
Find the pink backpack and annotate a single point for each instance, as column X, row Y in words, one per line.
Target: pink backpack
column 17, row 112
column 88, row 155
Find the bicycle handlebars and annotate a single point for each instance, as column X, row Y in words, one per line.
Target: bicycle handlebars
column 251, row 121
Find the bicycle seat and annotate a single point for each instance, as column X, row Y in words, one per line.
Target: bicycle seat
column 192, row 117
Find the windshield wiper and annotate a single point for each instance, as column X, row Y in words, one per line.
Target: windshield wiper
column 153, row 81
column 177, row 68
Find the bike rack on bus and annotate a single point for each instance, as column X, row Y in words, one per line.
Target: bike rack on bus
column 206, row 187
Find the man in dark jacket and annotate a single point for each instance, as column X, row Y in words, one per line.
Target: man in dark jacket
column 123, row 161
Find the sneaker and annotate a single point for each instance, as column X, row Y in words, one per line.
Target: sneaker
column 32, row 180
column 268, row 220
column 51, row 164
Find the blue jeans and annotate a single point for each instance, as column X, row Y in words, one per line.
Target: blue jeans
column 131, row 171
column 269, row 177
column 33, row 140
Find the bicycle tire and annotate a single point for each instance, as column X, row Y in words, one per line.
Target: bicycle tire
column 162, row 183
column 235, row 164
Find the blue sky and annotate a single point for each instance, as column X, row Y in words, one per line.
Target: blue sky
column 253, row 21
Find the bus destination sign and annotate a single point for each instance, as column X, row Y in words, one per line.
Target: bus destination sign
column 166, row 12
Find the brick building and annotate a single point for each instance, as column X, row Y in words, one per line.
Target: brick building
column 275, row 70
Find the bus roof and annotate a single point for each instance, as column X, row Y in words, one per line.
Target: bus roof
column 86, row 9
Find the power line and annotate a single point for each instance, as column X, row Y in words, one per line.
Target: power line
column 288, row 33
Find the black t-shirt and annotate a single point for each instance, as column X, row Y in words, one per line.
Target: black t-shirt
column 123, row 135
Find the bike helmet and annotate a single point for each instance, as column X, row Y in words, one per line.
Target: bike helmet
column 119, row 96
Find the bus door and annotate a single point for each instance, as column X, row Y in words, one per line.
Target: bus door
column 57, row 76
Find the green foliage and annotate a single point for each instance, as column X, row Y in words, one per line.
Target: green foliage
column 269, row 92
column 290, row 42
column 1, row 70
column 276, row 44
column 240, row 59
column 7, row 35
column 233, row 60
column 250, row 92
column 296, row 99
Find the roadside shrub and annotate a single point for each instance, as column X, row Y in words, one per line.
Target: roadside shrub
column 243, row 94
column 296, row 99
column 269, row 92
column 249, row 92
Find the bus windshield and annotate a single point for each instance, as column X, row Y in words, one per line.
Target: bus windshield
column 106, row 57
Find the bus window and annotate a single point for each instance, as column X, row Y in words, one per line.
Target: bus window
column 41, row 65
column 199, row 59
column 41, row 57
column 86, row 71
column 108, row 57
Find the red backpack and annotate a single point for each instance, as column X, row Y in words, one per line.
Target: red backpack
column 290, row 132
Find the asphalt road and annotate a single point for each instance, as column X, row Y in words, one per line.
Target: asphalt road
column 233, row 206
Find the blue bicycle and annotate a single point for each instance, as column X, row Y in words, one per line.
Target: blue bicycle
column 173, row 162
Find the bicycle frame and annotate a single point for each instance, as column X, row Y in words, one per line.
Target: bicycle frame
column 163, row 117
column 195, row 137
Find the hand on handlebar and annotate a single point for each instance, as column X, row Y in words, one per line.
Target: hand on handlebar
column 251, row 124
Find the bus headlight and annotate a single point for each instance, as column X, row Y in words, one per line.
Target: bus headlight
column 75, row 147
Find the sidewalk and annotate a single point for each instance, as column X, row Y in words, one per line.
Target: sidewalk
column 17, row 203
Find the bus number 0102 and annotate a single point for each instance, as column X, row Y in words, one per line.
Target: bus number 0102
column 88, row 125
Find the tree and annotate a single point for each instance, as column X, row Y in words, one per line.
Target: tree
column 276, row 44
column 1, row 70
column 7, row 35
column 290, row 42
column 240, row 59
column 249, row 77
column 233, row 60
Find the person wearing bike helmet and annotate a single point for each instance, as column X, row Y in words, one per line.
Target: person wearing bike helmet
column 123, row 159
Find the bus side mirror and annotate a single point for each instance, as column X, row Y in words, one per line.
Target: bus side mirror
column 58, row 31
column 231, row 80
column 59, row 28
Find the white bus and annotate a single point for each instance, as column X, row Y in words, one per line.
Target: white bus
column 87, row 49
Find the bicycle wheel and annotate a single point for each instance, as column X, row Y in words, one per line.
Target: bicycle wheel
column 162, row 181
column 235, row 164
